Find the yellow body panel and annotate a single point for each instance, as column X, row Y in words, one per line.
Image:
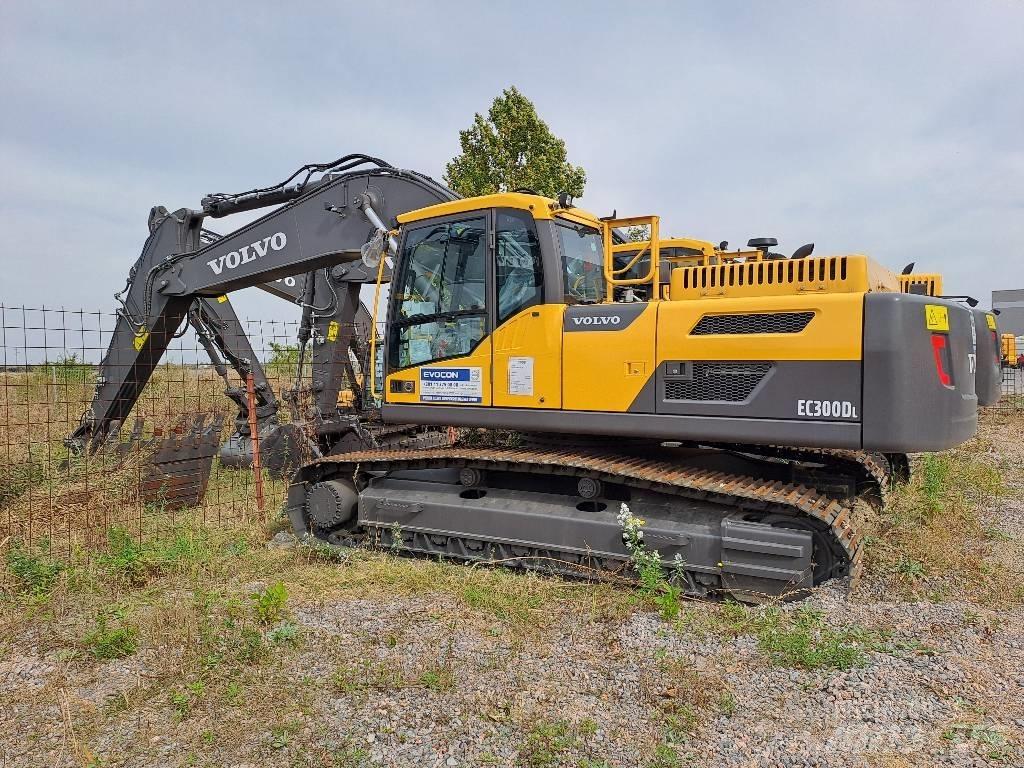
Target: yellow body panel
column 539, row 207
column 782, row 277
column 605, row 370
column 532, row 338
column 1009, row 345
column 932, row 283
column 826, row 337
column 478, row 358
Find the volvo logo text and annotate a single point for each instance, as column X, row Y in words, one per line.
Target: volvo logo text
column 597, row 320
column 247, row 253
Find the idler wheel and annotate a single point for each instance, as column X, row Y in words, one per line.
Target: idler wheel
column 330, row 504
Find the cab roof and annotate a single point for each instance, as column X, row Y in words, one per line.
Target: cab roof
column 538, row 206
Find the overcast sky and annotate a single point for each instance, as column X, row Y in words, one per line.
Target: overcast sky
column 893, row 129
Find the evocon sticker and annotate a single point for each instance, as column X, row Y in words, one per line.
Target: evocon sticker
column 247, row 253
column 451, row 385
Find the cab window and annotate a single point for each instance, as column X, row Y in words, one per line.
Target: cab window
column 583, row 258
column 439, row 307
column 519, row 273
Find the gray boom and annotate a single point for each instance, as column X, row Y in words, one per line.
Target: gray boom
column 318, row 225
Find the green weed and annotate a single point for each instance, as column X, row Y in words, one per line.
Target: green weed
column 650, row 570
column 111, row 643
column 365, row 676
column 994, row 744
column 935, row 471
column 270, row 603
column 439, row 678
column 727, row 703
column 803, row 640
column 510, row 606
column 546, row 743
column 182, row 704
column 665, row 757
column 124, row 558
column 910, row 568
column 286, row 634
column 798, row 638
column 132, row 561
column 16, row 479
column 35, row 572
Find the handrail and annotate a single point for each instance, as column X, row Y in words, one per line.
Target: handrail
column 611, row 274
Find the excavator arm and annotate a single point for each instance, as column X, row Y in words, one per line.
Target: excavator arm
column 319, row 224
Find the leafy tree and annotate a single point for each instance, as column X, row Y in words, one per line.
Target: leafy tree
column 639, row 233
column 512, row 148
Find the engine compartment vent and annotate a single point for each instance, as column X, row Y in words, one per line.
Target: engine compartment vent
column 754, row 322
column 730, row 382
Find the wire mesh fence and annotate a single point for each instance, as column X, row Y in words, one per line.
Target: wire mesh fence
column 159, row 468
column 161, row 464
column 1012, row 354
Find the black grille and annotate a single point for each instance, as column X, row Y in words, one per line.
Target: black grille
column 729, row 382
column 757, row 322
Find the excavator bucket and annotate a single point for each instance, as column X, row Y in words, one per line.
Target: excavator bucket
column 287, row 448
column 180, row 459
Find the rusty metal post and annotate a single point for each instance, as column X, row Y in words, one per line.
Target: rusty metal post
column 254, row 435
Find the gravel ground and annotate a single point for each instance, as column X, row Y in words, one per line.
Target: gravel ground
column 892, row 711
column 428, row 681
column 951, row 692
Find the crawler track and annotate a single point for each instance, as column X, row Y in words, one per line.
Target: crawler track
column 733, row 494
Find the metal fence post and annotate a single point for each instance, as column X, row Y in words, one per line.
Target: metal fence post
column 254, row 434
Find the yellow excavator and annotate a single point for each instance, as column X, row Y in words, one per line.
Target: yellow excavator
column 746, row 407
column 1008, row 347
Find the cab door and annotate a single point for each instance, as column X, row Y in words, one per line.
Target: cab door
column 527, row 339
column 439, row 342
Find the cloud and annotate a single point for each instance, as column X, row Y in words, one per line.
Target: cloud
column 866, row 127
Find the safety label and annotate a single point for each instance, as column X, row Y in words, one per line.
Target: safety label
column 451, row 385
column 936, row 317
column 520, row 376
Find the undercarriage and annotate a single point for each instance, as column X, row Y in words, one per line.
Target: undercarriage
column 752, row 523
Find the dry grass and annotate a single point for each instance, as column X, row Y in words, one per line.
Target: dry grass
column 954, row 531
column 203, row 668
column 207, row 666
column 65, row 501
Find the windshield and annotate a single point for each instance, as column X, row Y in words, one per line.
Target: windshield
column 583, row 251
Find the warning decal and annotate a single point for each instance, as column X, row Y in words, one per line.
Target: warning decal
column 936, row 317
